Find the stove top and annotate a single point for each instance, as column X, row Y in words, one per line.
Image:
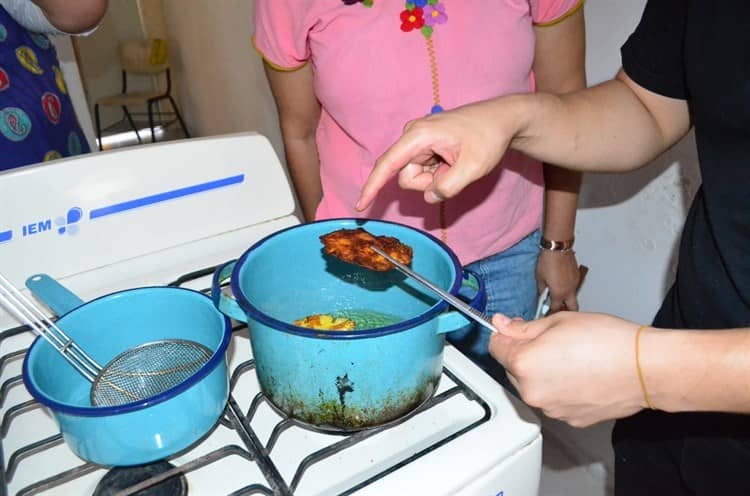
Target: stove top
column 470, row 438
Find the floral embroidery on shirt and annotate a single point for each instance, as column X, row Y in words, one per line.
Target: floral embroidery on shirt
column 412, row 19
column 366, row 3
column 423, row 15
column 435, row 14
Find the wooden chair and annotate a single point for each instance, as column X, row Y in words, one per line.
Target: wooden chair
column 141, row 58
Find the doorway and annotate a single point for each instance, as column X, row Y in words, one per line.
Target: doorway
column 101, row 68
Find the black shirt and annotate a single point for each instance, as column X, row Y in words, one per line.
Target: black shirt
column 699, row 51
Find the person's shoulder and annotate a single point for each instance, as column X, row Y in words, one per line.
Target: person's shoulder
column 29, row 16
column 281, row 30
column 292, row 8
column 551, row 12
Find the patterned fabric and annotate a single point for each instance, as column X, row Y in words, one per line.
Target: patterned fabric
column 37, row 119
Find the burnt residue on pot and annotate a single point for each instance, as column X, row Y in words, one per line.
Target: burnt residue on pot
column 341, row 416
column 344, row 385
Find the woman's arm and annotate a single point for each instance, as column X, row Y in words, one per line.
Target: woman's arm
column 615, row 126
column 299, row 113
column 559, row 67
column 582, row 367
column 689, row 370
column 73, row 16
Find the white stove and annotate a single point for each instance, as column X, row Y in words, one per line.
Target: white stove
column 167, row 214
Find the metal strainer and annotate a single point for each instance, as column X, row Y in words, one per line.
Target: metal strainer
column 147, row 370
column 135, row 374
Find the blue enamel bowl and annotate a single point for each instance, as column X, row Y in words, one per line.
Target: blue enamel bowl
column 142, row 431
column 386, row 367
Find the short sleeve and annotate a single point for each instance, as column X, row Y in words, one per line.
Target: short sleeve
column 549, row 12
column 30, row 16
column 653, row 56
column 281, row 30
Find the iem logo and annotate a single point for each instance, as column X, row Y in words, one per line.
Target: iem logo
column 69, row 224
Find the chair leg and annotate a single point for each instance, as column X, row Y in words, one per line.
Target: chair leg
column 98, row 126
column 151, row 120
column 179, row 117
column 132, row 124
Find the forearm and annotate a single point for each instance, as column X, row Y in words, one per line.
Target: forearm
column 561, row 185
column 299, row 113
column 604, row 128
column 304, row 168
column 561, row 202
column 687, row 370
column 73, row 16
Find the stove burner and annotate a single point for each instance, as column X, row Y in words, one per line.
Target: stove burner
column 120, row 478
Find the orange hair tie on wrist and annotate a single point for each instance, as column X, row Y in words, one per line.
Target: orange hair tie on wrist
column 638, row 366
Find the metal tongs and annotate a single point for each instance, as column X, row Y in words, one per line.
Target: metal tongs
column 542, row 307
column 461, row 306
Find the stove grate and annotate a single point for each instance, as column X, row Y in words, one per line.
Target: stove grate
column 253, row 450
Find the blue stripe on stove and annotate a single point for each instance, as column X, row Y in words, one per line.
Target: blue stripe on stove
column 6, row 236
column 168, row 195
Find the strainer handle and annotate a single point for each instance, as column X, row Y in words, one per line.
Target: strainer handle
column 49, row 291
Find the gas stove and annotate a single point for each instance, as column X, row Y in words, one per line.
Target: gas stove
column 168, row 214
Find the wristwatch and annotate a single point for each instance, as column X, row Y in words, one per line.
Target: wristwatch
column 551, row 245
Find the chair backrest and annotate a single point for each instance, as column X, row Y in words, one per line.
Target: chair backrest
column 144, row 56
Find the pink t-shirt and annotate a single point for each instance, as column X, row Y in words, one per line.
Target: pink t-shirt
column 372, row 74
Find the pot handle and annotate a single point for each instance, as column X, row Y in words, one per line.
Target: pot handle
column 226, row 303
column 453, row 320
column 53, row 294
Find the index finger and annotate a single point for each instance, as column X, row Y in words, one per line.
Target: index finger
column 396, row 157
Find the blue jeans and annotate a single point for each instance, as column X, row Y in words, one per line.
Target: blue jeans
column 510, row 282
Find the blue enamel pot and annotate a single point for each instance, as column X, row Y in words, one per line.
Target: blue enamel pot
column 344, row 381
column 146, row 430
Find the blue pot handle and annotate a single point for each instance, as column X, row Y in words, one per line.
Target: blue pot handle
column 56, row 296
column 226, row 303
column 454, row 320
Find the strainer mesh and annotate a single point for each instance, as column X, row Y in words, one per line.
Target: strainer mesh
column 147, row 370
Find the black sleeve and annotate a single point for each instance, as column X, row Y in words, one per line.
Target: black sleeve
column 653, row 56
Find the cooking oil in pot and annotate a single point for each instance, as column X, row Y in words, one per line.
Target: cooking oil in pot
column 348, row 320
column 369, row 319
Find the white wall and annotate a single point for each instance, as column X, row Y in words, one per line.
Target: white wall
column 220, row 79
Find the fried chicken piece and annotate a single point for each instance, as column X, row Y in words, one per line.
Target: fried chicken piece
column 326, row 322
column 353, row 246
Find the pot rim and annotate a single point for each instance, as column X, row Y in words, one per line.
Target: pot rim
column 103, row 411
column 255, row 314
